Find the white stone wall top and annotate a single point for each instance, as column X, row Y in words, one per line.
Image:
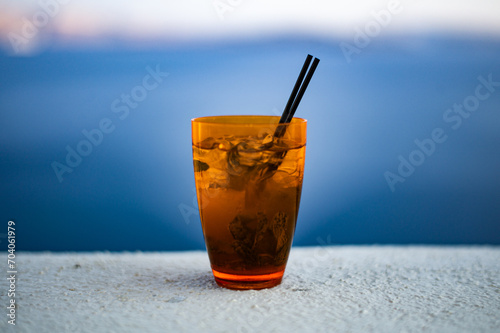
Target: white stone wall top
column 325, row 289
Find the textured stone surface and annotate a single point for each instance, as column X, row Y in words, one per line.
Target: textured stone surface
column 325, row 289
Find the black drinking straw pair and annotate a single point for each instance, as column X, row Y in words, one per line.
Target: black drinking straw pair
column 296, row 95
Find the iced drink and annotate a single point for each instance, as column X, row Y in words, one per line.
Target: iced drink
column 248, row 184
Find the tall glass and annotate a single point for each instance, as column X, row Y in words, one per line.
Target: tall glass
column 248, row 185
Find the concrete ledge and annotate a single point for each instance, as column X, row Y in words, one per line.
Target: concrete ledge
column 325, row 289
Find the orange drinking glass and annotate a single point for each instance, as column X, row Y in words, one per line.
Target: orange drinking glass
column 248, row 185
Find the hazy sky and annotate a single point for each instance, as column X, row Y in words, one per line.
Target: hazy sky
column 199, row 19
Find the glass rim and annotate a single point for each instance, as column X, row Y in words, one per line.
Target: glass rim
column 265, row 120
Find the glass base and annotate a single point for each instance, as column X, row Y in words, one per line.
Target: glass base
column 243, row 282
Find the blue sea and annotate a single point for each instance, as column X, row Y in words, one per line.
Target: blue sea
column 403, row 139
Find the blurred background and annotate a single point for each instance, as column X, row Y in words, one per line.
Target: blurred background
column 96, row 99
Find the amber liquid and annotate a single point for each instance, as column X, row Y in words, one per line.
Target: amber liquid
column 248, row 194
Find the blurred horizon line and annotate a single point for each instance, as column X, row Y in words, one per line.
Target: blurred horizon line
column 104, row 43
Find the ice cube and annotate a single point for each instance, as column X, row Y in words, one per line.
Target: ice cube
column 233, row 163
column 249, row 153
column 254, row 238
column 285, row 179
column 268, row 140
column 200, row 166
column 208, row 143
column 243, row 228
column 225, row 144
column 279, row 229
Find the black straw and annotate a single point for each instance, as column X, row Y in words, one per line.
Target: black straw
column 302, row 90
column 286, row 111
column 294, row 100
